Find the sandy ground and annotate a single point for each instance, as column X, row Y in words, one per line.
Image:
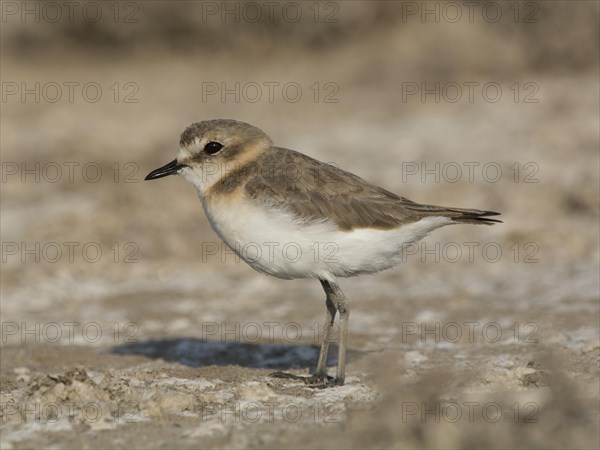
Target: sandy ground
column 125, row 323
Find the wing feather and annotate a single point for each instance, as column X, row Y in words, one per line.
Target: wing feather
column 315, row 191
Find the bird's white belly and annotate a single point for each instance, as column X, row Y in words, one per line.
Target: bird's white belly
column 274, row 242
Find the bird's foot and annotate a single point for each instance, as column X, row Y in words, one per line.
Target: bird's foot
column 315, row 380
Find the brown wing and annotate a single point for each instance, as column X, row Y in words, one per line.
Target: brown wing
column 315, row 191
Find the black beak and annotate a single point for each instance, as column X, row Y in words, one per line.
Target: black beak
column 169, row 169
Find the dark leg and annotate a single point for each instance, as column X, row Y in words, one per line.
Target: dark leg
column 341, row 304
column 321, row 372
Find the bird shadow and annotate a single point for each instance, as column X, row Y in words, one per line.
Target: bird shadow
column 200, row 353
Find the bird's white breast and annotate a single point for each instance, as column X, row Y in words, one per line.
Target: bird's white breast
column 273, row 241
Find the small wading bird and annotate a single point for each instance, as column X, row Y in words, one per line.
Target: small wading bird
column 255, row 194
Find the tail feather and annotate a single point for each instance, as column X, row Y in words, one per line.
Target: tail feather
column 458, row 215
column 481, row 217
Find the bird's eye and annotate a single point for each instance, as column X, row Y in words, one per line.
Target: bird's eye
column 213, row 147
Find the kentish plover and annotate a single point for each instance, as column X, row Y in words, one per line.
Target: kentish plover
column 291, row 216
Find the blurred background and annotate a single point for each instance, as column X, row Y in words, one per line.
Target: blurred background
column 491, row 105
